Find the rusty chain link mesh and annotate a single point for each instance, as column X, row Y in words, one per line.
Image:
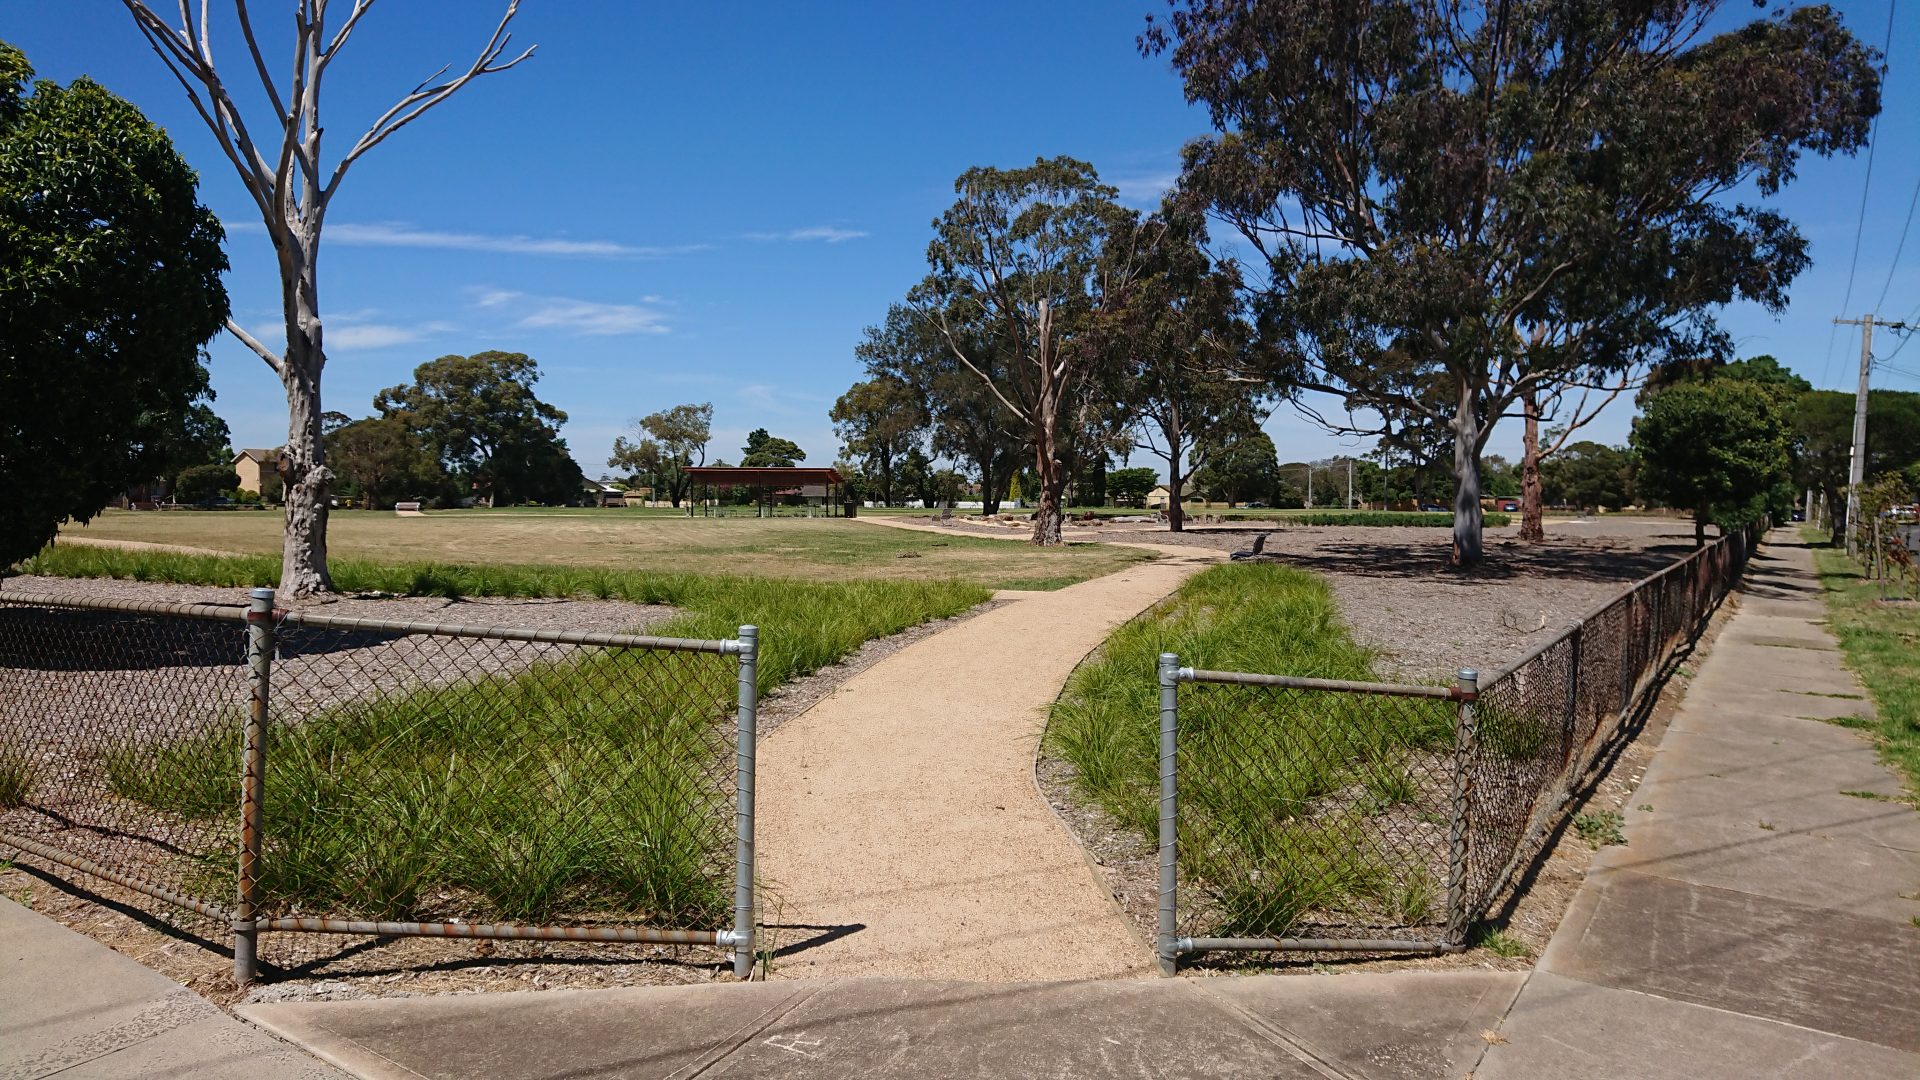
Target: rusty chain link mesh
column 1308, row 814
column 1543, row 723
column 1329, row 814
column 100, row 712
column 413, row 777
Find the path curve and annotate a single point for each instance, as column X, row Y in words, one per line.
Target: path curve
column 899, row 829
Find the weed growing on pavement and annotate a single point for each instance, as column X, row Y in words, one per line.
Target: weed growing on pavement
column 1600, row 828
column 1501, row 943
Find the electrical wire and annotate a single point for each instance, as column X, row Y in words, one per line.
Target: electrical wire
column 1866, row 187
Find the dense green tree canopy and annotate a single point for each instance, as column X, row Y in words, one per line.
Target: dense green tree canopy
column 109, row 286
column 202, row 483
column 1588, row 475
column 380, row 461
column 1460, row 205
column 765, row 451
column 480, row 417
column 1241, row 468
column 1130, row 487
column 1718, row 447
column 879, row 419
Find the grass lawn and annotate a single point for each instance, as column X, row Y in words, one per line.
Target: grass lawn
column 826, row 549
column 1284, row 795
column 1882, row 644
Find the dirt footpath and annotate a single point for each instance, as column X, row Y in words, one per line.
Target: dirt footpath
column 900, row 831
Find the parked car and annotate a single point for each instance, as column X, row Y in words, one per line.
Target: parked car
column 1432, row 508
column 1510, row 506
column 1256, row 506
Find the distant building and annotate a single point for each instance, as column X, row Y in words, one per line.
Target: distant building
column 254, row 466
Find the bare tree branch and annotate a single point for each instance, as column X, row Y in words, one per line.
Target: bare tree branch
column 272, row 358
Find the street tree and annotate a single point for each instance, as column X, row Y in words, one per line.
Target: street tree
column 1462, row 205
column 879, row 419
column 480, row 417
column 281, row 166
column 1717, row 447
column 766, row 451
column 1180, row 352
column 109, row 287
column 1025, row 258
column 667, row 443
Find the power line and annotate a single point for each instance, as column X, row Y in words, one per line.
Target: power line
column 1866, row 187
column 1894, row 267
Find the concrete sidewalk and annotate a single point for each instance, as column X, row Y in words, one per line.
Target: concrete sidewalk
column 1759, row 920
column 1410, row 1026
column 73, row 1008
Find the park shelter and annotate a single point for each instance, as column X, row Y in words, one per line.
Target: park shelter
column 769, row 486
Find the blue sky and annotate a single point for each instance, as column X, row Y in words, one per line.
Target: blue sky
column 676, row 203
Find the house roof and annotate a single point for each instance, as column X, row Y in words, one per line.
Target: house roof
column 761, row 477
column 261, row 456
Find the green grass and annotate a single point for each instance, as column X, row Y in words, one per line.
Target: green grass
column 623, row 541
column 17, row 778
column 1501, row 943
column 584, row 786
column 1882, row 645
column 1280, row 790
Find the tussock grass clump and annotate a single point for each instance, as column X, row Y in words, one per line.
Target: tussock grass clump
column 1882, row 645
column 17, row 777
column 1282, row 793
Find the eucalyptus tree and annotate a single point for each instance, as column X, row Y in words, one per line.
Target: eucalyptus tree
column 480, row 417
column 1021, row 264
column 879, row 419
column 280, row 164
column 109, row 287
column 1497, row 200
column 1180, row 354
column 667, row 444
column 965, row 421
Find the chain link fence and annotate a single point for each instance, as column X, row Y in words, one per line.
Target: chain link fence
column 294, row 773
column 1319, row 815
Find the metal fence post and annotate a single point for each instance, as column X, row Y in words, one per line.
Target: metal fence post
column 744, row 755
column 1169, row 796
column 1459, row 841
column 253, row 775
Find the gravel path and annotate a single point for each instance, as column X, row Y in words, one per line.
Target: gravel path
column 900, row 831
column 1423, row 618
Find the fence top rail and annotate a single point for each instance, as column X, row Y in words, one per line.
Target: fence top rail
column 1600, row 608
column 170, row 609
column 1289, row 682
column 321, row 620
column 238, row 613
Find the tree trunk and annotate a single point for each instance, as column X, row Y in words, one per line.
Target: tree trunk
column 886, row 479
column 989, row 497
column 1046, row 519
column 1176, row 513
column 307, row 482
column 1532, row 507
column 1467, row 550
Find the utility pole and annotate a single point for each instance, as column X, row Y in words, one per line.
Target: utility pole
column 1309, row 485
column 1349, row 483
column 1857, row 464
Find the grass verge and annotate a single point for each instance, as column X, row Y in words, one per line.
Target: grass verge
column 596, row 786
column 1882, row 646
column 1285, row 795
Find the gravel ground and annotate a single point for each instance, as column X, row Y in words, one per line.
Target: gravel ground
column 1423, row 618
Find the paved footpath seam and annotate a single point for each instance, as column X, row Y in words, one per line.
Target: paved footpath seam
column 899, row 829
column 1759, row 920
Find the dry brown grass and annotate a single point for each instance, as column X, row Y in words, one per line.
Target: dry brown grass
column 816, row 549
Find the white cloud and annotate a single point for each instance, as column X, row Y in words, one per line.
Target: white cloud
column 584, row 317
column 372, row 336
column 828, row 233
column 1145, row 188
column 396, row 234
